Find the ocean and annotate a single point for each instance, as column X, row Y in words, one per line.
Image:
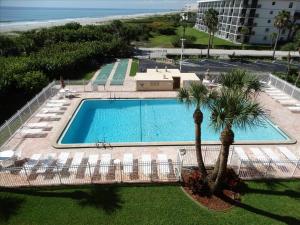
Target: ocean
column 33, row 14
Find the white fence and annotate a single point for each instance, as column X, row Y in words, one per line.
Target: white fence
column 22, row 115
column 286, row 87
column 250, row 169
column 85, row 173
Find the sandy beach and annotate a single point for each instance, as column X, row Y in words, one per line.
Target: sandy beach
column 25, row 26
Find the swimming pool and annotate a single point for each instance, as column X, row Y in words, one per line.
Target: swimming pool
column 149, row 120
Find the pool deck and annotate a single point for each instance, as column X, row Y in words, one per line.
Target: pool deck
column 285, row 119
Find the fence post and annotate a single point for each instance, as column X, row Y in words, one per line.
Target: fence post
column 121, row 171
column 19, row 115
column 231, row 155
column 269, row 165
column 297, row 163
column 27, row 176
column 239, row 168
column 58, row 173
column 89, row 167
column 28, row 105
column 6, row 123
column 83, row 82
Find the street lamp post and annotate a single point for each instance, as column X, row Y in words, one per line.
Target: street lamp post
column 184, row 17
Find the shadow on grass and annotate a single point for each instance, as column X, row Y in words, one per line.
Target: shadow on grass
column 271, row 185
column 270, row 190
column 9, row 206
column 101, row 197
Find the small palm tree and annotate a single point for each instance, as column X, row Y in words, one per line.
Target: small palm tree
column 211, row 21
column 231, row 108
column 281, row 21
column 198, row 95
column 244, row 31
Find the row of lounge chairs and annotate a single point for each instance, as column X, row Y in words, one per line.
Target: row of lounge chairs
column 266, row 154
column 97, row 164
column 52, row 110
column 285, row 100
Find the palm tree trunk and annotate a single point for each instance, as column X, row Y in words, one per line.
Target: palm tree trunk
column 212, row 40
column 275, row 45
column 208, row 47
column 222, row 168
column 198, row 117
column 227, row 138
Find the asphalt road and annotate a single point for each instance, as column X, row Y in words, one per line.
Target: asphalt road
column 220, row 65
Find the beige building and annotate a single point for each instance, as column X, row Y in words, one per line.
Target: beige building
column 164, row 80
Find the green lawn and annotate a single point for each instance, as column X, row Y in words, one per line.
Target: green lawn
column 264, row 203
column 134, row 67
column 88, row 75
column 201, row 39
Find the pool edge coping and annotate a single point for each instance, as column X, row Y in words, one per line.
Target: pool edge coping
column 55, row 140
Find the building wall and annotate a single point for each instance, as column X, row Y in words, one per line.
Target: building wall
column 154, row 85
column 258, row 15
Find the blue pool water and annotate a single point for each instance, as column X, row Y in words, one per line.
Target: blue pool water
column 151, row 120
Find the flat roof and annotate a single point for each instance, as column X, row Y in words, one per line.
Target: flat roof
column 163, row 74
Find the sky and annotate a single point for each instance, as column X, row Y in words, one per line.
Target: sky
column 144, row 4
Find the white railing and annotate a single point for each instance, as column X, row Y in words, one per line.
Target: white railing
column 284, row 86
column 250, row 169
column 21, row 116
column 86, row 173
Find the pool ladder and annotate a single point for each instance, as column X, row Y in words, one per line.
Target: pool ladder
column 103, row 144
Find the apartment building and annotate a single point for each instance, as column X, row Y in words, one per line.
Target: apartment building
column 257, row 15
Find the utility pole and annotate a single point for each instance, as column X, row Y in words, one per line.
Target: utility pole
column 184, row 18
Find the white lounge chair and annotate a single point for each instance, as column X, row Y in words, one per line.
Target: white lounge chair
column 259, row 155
column 105, row 163
column 47, row 116
column 52, row 110
column 92, row 161
column 290, row 102
column 163, row 164
column 40, row 125
column 46, row 161
column 54, row 105
column 275, row 158
column 128, row 163
column 288, row 154
column 271, row 91
column 277, row 94
column 60, row 101
column 241, row 154
column 30, row 164
column 76, row 161
column 145, row 164
column 284, row 97
column 27, row 132
column 294, row 109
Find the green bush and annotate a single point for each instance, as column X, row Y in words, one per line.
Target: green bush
column 189, row 41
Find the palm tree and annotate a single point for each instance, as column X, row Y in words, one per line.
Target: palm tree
column 210, row 20
column 273, row 36
column 231, row 108
column 244, row 32
column 198, row 95
column 281, row 21
column 239, row 81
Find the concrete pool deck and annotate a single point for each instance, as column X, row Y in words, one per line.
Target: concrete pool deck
column 285, row 119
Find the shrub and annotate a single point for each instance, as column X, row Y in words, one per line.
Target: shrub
column 196, row 184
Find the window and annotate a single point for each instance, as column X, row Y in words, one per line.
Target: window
column 291, row 5
column 271, row 12
column 283, row 31
column 267, row 30
column 265, row 38
column 273, row 3
column 256, row 15
column 269, row 21
column 253, row 33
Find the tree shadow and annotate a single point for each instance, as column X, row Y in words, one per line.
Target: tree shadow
column 9, row 206
column 271, row 186
column 289, row 220
column 106, row 198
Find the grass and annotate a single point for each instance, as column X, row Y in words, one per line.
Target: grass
column 264, row 203
column 165, row 41
column 134, row 67
column 89, row 75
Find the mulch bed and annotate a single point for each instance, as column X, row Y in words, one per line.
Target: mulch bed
column 222, row 202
